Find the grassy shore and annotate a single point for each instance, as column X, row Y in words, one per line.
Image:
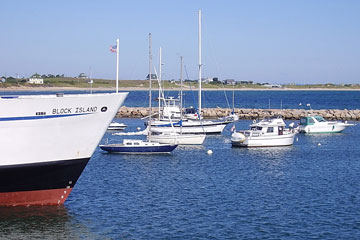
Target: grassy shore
column 104, row 84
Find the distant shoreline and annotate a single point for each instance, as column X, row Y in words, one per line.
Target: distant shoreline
column 40, row 89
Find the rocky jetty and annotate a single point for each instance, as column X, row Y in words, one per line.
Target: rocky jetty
column 249, row 113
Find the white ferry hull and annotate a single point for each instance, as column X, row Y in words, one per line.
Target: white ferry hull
column 46, row 143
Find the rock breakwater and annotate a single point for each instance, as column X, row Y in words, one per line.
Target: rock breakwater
column 249, row 113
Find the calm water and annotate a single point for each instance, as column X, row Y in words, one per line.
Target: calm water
column 259, row 99
column 304, row 191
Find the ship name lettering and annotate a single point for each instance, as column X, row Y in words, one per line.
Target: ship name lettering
column 85, row 109
column 61, row 110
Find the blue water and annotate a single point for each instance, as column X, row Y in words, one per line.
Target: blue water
column 246, row 99
column 305, row 191
column 259, row 99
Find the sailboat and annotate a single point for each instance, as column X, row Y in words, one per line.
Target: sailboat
column 164, row 135
column 135, row 146
column 197, row 126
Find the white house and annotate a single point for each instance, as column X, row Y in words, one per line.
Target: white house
column 36, row 81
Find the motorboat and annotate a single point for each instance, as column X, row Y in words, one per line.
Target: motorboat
column 268, row 132
column 317, row 124
column 134, row 146
column 116, row 126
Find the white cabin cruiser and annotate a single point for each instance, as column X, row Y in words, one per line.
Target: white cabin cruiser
column 317, row 124
column 266, row 133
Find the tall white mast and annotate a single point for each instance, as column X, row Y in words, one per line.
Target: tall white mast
column 150, row 95
column 159, row 77
column 117, row 65
column 200, row 64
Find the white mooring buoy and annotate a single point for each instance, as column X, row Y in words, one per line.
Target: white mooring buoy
column 138, row 128
column 319, row 144
column 209, row 152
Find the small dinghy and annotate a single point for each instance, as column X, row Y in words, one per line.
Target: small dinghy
column 116, row 126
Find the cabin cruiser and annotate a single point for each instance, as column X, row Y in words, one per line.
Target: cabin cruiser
column 265, row 133
column 317, row 124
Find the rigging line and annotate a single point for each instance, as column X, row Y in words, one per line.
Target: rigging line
column 216, row 63
column 163, row 97
column 187, row 76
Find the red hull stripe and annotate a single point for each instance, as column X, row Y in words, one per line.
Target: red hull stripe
column 40, row 197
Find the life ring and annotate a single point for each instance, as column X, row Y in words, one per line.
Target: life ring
column 254, row 121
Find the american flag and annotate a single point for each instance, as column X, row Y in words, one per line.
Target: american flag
column 113, row 48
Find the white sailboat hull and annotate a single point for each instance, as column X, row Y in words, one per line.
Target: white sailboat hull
column 179, row 139
column 190, row 127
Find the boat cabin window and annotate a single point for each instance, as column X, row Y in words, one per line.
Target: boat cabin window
column 128, row 143
column 310, row 120
column 258, row 128
column 320, row 119
column 253, row 128
column 303, row 121
column 280, row 130
column 270, row 130
column 136, row 143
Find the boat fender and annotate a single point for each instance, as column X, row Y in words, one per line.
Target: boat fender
column 239, row 137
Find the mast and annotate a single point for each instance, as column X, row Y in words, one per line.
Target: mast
column 150, row 95
column 117, row 65
column 233, row 100
column 200, row 64
column 181, row 92
column 159, row 77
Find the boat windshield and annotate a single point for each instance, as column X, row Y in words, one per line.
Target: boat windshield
column 320, row 119
column 190, row 111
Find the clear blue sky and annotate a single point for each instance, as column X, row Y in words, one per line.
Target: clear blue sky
column 279, row 41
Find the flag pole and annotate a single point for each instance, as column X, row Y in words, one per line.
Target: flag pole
column 117, row 65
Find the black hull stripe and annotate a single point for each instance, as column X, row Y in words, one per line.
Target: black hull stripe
column 41, row 176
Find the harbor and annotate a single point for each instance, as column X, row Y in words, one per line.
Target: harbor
column 239, row 123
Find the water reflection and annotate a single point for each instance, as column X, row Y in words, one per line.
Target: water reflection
column 42, row 222
column 271, row 161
